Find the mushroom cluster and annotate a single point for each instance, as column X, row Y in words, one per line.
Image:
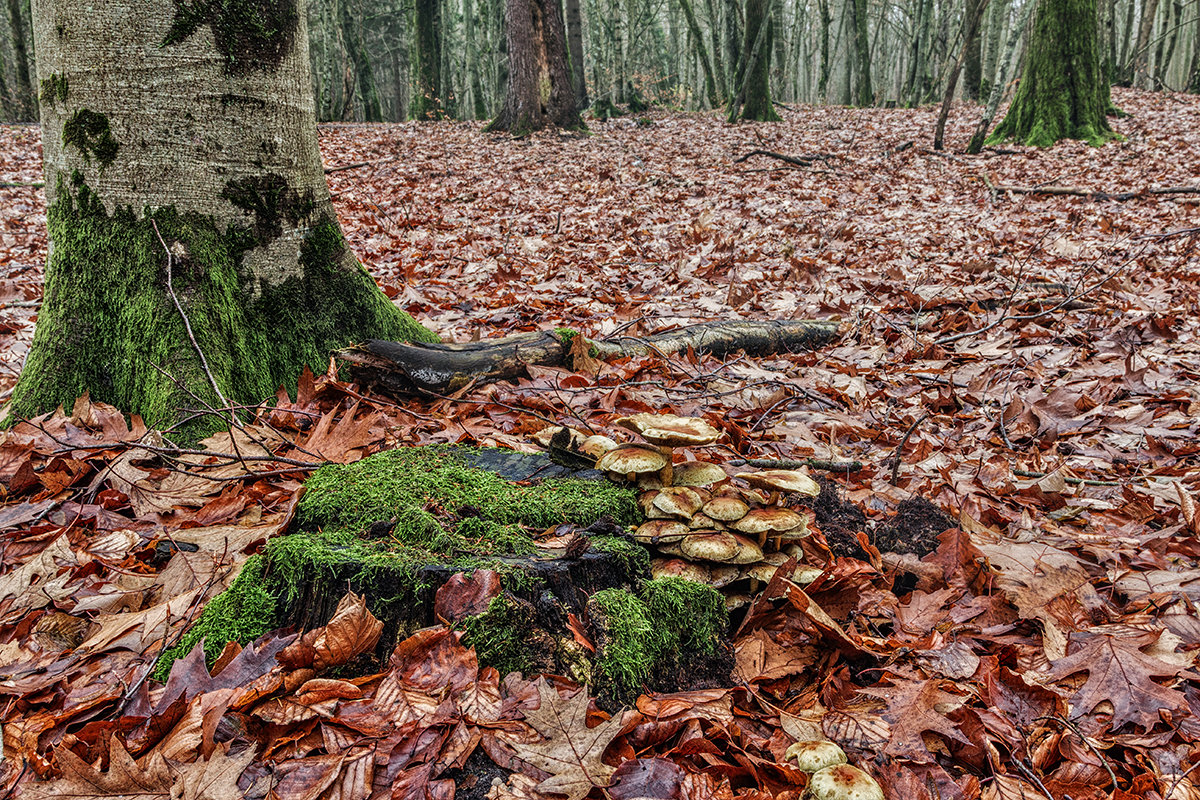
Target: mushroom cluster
column 829, row 776
column 702, row 524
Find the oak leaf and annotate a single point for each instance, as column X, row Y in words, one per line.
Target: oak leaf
column 913, row 708
column 569, row 750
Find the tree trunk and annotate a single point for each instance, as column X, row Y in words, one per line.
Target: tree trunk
column 26, row 100
column 826, row 20
column 863, row 96
column 753, row 99
column 1193, row 77
column 364, row 76
column 973, row 66
column 710, row 82
column 429, row 60
column 539, row 93
column 1141, row 49
column 1063, row 94
column 997, row 15
column 575, row 45
column 970, row 33
column 195, row 255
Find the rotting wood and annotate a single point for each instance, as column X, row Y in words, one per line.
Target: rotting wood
column 823, row 464
column 800, row 161
column 444, row 368
column 1073, row 191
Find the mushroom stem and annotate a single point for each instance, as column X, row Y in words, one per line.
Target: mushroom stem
column 667, row 473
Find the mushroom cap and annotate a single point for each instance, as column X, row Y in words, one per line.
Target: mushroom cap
column 597, row 446
column 628, row 458
column 698, row 473
column 670, row 549
column 720, row 575
column 668, row 430
column 679, row 568
column 815, row 755
column 783, row 480
column 726, row 508
column 660, row 531
column 678, row 501
column 769, row 520
column 703, row 521
column 736, row 601
column 721, row 546
column 842, row 782
column 544, row 436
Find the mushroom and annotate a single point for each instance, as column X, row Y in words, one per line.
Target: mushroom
column 631, row 460
column 736, row 601
column 678, row 501
column 544, row 436
column 703, row 521
column 698, row 473
column 597, row 446
column 783, row 480
column 660, row 531
column 679, row 568
column 842, row 782
column 667, row 431
column 721, row 546
column 815, row 755
column 726, row 508
column 721, row 575
column 762, row 522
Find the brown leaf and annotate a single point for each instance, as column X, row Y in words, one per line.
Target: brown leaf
column 464, row 596
column 352, row 631
column 580, row 357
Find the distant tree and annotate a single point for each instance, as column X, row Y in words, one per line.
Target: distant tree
column 540, row 93
column 25, row 103
column 195, row 256
column 426, row 103
column 753, row 78
column 1063, row 93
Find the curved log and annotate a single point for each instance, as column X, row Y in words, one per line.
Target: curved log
column 443, row 368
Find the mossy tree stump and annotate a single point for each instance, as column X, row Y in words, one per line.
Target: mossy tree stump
column 396, row 526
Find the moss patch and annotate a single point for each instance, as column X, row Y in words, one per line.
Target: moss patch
column 271, row 201
column 250, row 34
column 109, row 326
column 89, row 132
column 54, row 89
column 505, row 637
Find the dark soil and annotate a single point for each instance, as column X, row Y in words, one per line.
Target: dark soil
column 914, row 529
column 838, row 520
column 474, row 780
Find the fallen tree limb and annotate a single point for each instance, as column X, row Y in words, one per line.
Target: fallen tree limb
column 824, row 464
column 1072, row 191
column 799, row 161
column 445, row 368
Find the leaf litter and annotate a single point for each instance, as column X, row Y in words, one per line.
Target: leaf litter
column 1027, row 364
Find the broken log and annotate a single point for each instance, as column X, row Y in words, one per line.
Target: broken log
column 441, row 368
column 1072, row 191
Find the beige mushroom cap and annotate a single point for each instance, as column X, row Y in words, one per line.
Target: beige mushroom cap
column 842, row 782
column 678, row 501
column 736, row 601
column 698, row 473
column 769, row 520
column 668, row 430
column 660, row 531
column 628, row 458
column 815, row 755
column 679, row 568
column 720, row 575
column 721, row 546
column 544, row 436
column 597, row 446
column 703, row 521
column 726, row 508
column 783, row 480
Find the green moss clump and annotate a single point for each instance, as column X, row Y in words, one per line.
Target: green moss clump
column 633, row 558
column 500, row 635
column 656, row 633
column 250, row 34
column 54, row 89
column 109, row 327
column 89, row 132
column 242, row 613
column 566, row 335
column 353, row 496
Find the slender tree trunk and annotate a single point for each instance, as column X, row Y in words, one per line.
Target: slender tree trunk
column 996, row 16
column 575, row 47
column 1124, row 75
column 710, row 83
column 720, row 63
column 1141, row 50
column 826, row 22
column 973, row 65
column 426, row 104
column 1063, row 94
column 539, row 94
column 863, row 96
column 25, row 95
column 1193, row 79
column 753, row 99
column 193, row 238
column 364, row 76
column 970, row 29
column 1000, row 86
column 1170, row 38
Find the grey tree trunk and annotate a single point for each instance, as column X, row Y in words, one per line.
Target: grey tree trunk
column 1141, row 49
column 575, row 46
column 26, row 102
column 195, row 256
column 539, row 80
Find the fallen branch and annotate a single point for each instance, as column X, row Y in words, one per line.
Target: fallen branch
column 1026, row 473
column 823, row 464
column 799, row 161
column 358, row 164
column 1071, row 191
column 444, row 368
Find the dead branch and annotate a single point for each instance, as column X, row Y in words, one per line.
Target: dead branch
column 1072, row 191
column 799, row 161
column 443, row 368
column 823, row 464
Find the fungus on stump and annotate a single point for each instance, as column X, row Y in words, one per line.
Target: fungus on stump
column 1063, row 93
column 186, row 129
column 540, row 92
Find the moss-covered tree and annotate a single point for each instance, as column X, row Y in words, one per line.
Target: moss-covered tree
column 195, row 256
column 753, row 82
column 1063, row 93
column 540, row 93
column 426, row 103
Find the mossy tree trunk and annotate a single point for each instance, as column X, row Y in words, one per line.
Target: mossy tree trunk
column 574, row 13
column 427, row 104
column 539, row 93
column 26, row 102
column 1063, row 93
column 185, row 191
column 973, row 67
column 753, row 99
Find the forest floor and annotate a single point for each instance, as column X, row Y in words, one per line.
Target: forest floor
column 1026, row 362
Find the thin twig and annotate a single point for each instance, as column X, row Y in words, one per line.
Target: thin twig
column 895, row 476
column 1025, row 473
column 1104, row 761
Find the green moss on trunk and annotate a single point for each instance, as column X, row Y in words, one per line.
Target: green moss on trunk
column 1063, row 93
column 89, row 133
column 250, row 34
column 108, row 325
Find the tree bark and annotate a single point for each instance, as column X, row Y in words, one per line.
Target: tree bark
column 863, row 96
column 1063, row 93
column 26, row 100
column 195, row 256
column 753, row 99
column 1141, row 50
column 540, row 93
column 575, row 45
column 364, row 76
column 710, row 81
column 426, row 104
column 973, row 65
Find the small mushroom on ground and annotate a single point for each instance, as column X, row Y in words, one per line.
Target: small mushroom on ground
column 678, row 501
column 631, row 460
column 544, row 436
column 667, row 431
column 726, row 508
column 721, row 575
column 842, row 782
column 698, row 473
column 736, row 601
column 660, row 531
column 679, row 568
column 721, row 546
column 783, row 480
column 770, row 521
column 597, row 446
column 815, row 755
